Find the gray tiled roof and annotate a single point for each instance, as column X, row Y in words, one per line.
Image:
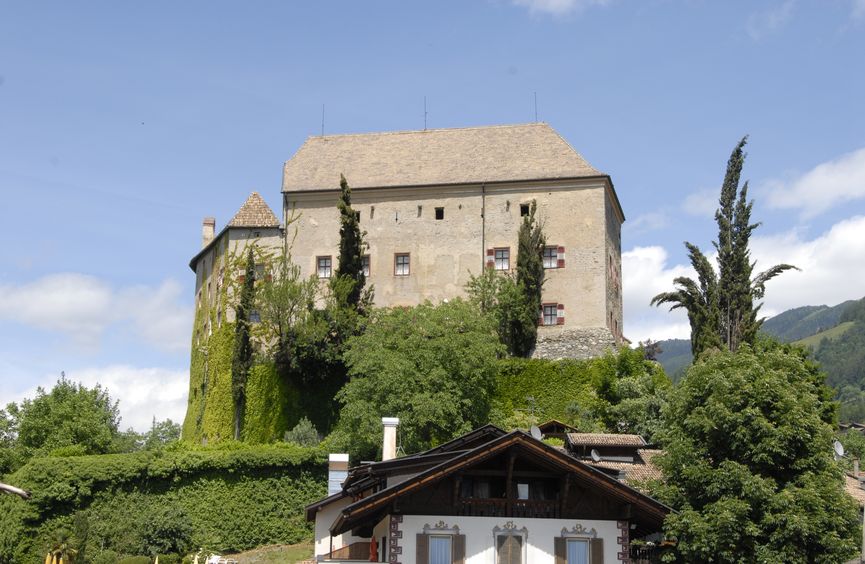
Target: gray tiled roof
column 254, row 213
column 433, row 157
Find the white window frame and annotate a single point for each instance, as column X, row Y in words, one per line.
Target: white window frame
column 551, row 257
column 502, row 258
column 324, row 266
column 450, row 540
column 584, row 541
column 402, row 267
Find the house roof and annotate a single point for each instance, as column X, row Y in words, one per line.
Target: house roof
column 533, row 151
column 254, row 213
column 648, row 510
column 638, row 471
column 853, row 487
column 605, row 439
column 553, row 425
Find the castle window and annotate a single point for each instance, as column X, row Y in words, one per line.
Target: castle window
column 402, row 264
column 364, row 264
column 419, row 210
column 503, row 258
column 552, row 314
column 256, row 234
column 325, row 266
column 254, row 316
column 440, row 213
column 259, row 271
column 550, row 257
column 524, row 210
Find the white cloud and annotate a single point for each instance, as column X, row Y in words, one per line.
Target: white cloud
column 761, row 24
column 823, row 187
column 558, row 7
column 702, row 203
column 83, row 307
column 144, row 393
column 833, row 267
column 650, row 221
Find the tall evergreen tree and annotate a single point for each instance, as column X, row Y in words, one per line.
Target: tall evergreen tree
column 530, row 279
column 350, row 260
column 720, row 305
column 241, row 360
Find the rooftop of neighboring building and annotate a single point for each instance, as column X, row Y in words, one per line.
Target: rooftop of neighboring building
column 605, row 439
column 502, row 153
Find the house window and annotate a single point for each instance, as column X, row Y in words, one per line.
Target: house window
column 254, row 316
column 503, row 259
column 440, row 213
column 551, row 257
column 440, row 549
column 402, row 264
column 524, row 210
column 364, row 265
column 578, row 551
column 551, row 314
column 325, row 267
column 509, row 549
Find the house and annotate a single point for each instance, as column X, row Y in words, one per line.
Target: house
column 440, row 205
column 625, row 454
column 488, row 496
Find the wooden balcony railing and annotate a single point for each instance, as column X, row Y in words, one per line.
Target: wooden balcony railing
column 499, row 508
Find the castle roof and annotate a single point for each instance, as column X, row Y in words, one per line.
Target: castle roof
column 533, row 151
column 254, row 213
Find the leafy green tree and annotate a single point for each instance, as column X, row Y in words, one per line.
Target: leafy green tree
column 530, row 279
column 351, row 247
column 241, row 360
column 70, row 415
column 502, row 297
column 433, row 367
column 748, row 463
column 720, row 305
column 303, row 434
column 161, row 433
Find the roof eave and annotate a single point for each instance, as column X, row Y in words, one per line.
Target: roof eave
column 598, row 176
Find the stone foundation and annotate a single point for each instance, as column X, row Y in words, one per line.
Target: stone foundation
column 582, row 343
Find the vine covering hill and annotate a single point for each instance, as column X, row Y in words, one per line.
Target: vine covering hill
column 228, row 499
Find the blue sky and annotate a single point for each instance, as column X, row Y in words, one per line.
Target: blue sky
column 123, row 124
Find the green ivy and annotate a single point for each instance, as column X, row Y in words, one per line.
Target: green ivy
column 235, row 497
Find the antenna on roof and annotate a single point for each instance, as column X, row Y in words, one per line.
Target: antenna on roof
column 536, row 107
column 424, row 113
column 322, row 120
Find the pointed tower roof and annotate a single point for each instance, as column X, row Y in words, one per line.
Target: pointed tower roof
column 254, row 213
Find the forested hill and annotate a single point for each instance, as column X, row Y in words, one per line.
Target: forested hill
column 835, row 335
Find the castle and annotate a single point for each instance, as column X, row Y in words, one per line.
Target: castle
column 438, row 206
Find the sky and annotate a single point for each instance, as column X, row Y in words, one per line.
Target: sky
column 123, row 124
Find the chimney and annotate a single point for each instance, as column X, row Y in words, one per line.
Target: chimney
column 337, row 472
column 388, row 447
column 208, row 230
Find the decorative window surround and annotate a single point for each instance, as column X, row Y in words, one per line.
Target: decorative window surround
column 510, row 530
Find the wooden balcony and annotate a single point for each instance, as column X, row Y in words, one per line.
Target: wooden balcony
column 494, row 507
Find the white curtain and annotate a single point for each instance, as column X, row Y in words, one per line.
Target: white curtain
column 439, row 550
column 578, row 552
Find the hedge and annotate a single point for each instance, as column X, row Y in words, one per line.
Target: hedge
column 235, row 497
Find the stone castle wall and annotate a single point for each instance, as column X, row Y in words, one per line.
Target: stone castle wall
column 579, row 343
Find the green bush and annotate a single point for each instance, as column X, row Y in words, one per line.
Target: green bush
column 233, row 497
column 134, row 560
column 105, row 557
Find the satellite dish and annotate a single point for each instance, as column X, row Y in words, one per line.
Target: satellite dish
column 536, row 433
column 839, row 449
column 595, row 456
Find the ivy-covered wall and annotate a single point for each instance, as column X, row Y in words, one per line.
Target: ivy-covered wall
column 234, row 498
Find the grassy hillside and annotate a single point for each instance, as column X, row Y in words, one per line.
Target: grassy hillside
column 802, row 322
column 814, row 341
column 675, row 357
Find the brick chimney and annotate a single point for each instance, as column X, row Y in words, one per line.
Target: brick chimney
column 388, row 447
column 208, row 230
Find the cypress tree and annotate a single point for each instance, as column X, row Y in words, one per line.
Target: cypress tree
column 720, row 305
column 530, row 280
column 241, row 361
column 350, row 260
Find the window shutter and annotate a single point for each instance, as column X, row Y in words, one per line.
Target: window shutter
column 491, row 261
column 241, row 278
column 459, row 548
column 560, row 314
column 561, row 550
column 422, row 549
column 560, row 255
column 596, row 548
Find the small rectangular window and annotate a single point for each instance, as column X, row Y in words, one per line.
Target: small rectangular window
column 551, row 314
column 254, row 316
column 402, row 264
column 578, row 551
column 440, row 550
column 364, row 264
column 551, row 257
column 325, row 267
column 259, row 271
column 440, row 213
column 503, row 259
column 524, row 210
